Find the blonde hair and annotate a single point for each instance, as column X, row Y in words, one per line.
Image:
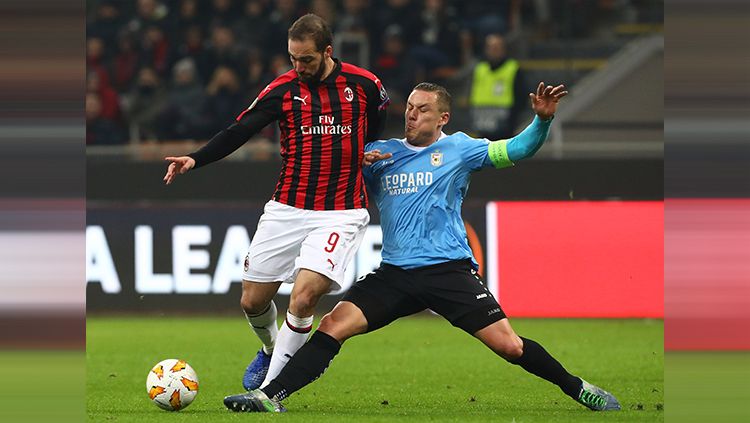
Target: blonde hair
column 443, row 96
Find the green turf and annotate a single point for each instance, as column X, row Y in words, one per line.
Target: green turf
column 417, row 369
column 708, row 386
column 42, row 386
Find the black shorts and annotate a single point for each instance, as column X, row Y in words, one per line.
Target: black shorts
column 453, row 290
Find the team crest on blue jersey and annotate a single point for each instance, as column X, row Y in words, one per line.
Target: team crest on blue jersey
column 436, row 158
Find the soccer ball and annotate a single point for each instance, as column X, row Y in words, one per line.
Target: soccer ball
column 172, row 384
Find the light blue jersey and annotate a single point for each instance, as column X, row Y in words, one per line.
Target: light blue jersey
column 419, row 191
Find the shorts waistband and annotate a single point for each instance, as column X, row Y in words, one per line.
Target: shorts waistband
column 445, row 264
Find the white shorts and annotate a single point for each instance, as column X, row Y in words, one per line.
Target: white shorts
column 289, row 239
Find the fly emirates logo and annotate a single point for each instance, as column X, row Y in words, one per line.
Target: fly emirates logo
column 406, row 183
column 326, row 127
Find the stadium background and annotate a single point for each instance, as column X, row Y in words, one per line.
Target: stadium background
column 43, row 327
column 147, row 242
column 595, row 191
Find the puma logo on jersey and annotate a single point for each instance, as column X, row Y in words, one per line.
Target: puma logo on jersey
column 332, row 264
column 302, row 99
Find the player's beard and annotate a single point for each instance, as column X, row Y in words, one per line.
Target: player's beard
column 308, row 78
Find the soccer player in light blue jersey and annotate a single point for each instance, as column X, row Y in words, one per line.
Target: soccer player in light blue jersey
column 419, row 183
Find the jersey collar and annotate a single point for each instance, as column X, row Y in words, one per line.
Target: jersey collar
column 334, row 73
column 415, row 148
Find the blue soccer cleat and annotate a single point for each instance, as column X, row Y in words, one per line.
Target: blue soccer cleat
column 596, row 398
column 255, row 401
column 256, row 371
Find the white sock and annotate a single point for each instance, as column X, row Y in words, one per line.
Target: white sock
column 292, row 336
column 265, row 327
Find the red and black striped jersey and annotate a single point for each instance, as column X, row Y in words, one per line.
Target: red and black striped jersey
column 324, row 126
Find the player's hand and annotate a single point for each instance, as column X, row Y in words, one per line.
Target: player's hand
column 177, row 165
column 373, row 156
column 544, row 102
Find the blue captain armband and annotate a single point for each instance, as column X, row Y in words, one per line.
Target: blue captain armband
column 498, row 152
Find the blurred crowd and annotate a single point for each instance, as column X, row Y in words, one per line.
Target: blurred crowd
column 184, row 69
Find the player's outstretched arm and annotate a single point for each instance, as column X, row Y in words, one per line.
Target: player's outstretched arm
column 219, row 146
column 177, row 166
column 544, row 102
column 228, row 140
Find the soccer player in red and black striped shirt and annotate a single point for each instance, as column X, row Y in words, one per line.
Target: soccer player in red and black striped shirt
column 310, row 229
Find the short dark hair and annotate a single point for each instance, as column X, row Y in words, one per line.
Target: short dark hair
column 312, row 27
column 443, row 96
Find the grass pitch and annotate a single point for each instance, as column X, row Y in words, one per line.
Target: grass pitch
column 708, row 386
column 42, row 386
column 416, row 369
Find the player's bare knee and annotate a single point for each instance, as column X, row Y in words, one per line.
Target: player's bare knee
column 338, row 328
column 511, row 350
column 302, row 303
column 253, row 305
column 514, row 352
column 330, row 326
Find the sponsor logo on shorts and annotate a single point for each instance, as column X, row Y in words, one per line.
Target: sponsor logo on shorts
column 493, row 311
column 480, row 296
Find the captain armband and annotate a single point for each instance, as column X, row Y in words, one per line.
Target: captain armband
column 498, row 152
